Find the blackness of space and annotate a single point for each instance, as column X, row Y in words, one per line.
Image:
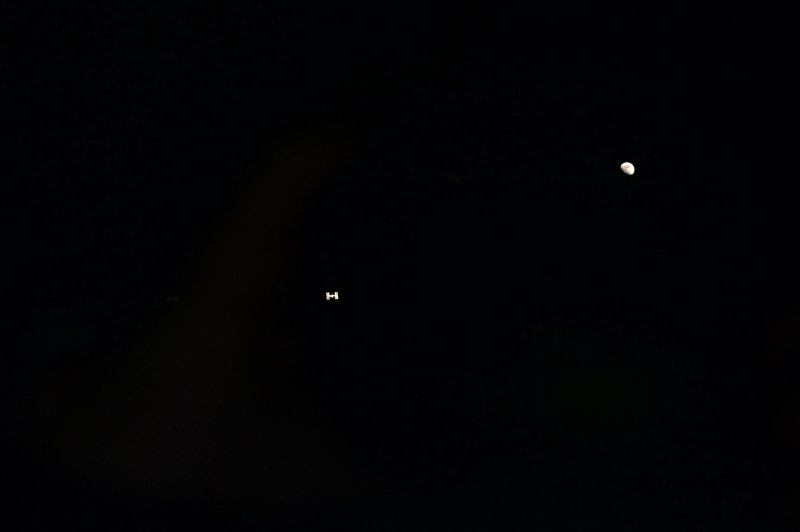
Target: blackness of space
column 485, row 201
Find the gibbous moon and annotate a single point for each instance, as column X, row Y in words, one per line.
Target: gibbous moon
column 627, row 168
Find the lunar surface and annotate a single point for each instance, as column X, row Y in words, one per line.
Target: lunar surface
column 627, row 168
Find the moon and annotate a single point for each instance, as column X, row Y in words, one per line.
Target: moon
column 627, row 168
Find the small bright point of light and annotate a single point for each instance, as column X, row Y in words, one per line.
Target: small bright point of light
column 627, row 168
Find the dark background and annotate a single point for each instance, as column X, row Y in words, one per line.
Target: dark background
column 123, row 127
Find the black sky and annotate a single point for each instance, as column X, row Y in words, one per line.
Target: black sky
column 126, row 130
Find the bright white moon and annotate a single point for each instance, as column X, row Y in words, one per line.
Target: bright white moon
column 627, row 168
